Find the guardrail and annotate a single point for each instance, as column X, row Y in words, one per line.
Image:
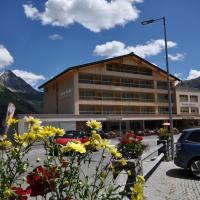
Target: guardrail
column 150, row 165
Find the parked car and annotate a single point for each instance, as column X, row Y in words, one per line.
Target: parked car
column 71, row 135
column 188, row 151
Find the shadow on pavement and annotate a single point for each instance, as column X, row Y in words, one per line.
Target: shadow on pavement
column 180, row 173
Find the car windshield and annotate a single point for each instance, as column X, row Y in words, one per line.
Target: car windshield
column 182, row 136
column 72, row 134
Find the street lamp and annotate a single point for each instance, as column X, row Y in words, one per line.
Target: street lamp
column 168, row 79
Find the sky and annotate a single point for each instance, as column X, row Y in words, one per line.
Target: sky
column 41, row 38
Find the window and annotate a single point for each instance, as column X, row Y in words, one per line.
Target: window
column 146, row 97
column 147, row 110
column 194, row 110
column 163, row 110
column 183, row 134
column 193, row 98
column 106, row 80
column 163, row 85
column 194, row 137
column 127, row 96
column 184, row 109
column 85, row 78
column 162, row 98
column 146, row 84
column 87, row 94
column 183, row 98
column 107, row 110
column 87, row 109
column 129, row 82
column 107, row 95
column 127, row 110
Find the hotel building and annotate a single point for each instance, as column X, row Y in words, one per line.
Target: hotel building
column 188, row 106
column 125, row 92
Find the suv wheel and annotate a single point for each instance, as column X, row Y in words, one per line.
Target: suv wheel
column 195, row 167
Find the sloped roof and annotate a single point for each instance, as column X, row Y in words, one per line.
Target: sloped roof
column 102, row 61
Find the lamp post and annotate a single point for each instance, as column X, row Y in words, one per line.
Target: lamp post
column 168, row 79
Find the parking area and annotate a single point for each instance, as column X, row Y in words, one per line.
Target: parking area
column 170, row 182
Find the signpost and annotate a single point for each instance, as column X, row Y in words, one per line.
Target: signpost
column 9, row 115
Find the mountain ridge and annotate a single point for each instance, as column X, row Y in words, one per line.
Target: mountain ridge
column 193, row 83
column 14, row 89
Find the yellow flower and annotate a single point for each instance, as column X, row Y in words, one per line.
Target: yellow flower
column 140, row 179
column 137, row 189
column 59, row 132
column 123, row 161
column 114, row 152
column 96, row 137
column 33, row 121
column 97, row 142
column 75, row 146
column 7, row 193
column 129, row 172
column 5, row 144
column 48, row 131
column 29, row 137
column 93, row 124
column 87, row 143
column 36, row 128
column 18, row 138
column 25, row 138
column 11, row 121
column 3, row 137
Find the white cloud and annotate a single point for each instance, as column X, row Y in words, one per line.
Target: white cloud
column 179, row 75
column 193, row 74
column 5, row 57
column 55, row 37
column 29, row 77
column 95, row 15
column 176, row 57
column 116, row 48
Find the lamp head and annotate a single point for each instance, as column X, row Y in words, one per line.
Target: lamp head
column 147, row 22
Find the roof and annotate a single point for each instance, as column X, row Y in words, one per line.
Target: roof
column 187, row 89
column 101, row 61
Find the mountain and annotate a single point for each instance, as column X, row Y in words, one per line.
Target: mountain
column 14, row 89
column 193, row 83
column 19, row 86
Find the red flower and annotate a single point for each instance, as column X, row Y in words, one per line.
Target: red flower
column 21, row 194
column 41, row 181
column 140, row 138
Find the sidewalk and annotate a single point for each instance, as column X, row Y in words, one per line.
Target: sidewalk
column 170, row 182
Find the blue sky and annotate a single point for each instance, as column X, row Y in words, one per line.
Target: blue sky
column 39, row 39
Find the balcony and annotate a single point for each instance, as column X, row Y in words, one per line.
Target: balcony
column 116, row 98
column 116, row 83
column 116, row 112
column 125, row 68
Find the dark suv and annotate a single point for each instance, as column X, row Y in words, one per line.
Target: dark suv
column 188, row 151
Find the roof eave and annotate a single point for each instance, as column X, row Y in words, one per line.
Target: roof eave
column 101, row 61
